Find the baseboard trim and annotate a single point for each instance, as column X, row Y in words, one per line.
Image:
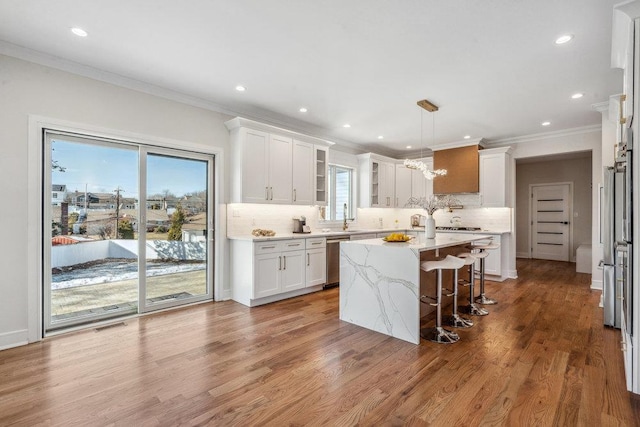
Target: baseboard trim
column 14, row 339
column 522, row 255
column 596, row 285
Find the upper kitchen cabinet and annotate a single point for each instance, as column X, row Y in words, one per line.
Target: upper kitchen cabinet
column 273, row 165
column 412, row 183
column 377, row 181
column 495, row 173
column 321, row 164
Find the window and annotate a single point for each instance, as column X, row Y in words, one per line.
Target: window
column 340, row 193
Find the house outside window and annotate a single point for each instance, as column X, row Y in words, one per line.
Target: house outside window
column 340, row 193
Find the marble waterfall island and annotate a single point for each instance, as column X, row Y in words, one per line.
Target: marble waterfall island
column 380, row 282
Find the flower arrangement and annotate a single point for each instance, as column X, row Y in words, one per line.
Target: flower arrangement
column 432, row 203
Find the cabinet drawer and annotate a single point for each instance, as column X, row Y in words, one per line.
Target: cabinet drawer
column 269, row 247
column 292, row 245
column 319, row 242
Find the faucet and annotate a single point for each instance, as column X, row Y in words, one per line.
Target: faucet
column 344, row 218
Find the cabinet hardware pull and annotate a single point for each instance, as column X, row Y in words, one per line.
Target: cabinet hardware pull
column 285, row 262
column 279, row 263
column 294, row 195
column 308, row 260
column 267, row 247
column 271, row 190
column 316, row 243
column 266, row 193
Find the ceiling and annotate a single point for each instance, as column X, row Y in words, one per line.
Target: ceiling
column 491, row 66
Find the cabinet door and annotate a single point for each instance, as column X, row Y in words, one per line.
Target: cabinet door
column 316, row 272
column 292, row 274
column 266, row 280
column 255, row 147
column 302, row 167
column 388, row 185
column 280, row 173
column 375, row 184
column 321, row 161
column 404, row 178
column 493, row 180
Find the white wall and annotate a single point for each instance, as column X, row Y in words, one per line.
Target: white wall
column 27, row 89
column 567, row 142
column 578, row 172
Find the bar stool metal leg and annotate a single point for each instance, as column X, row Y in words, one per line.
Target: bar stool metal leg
column 455, row 320
column 472, row 308
column 438, row 333
column 482, row 298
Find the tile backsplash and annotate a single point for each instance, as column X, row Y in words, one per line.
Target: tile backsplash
column 244, row 217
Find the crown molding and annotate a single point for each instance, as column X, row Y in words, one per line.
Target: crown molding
column 241, row 122
column 546, row 135
column 457, row 144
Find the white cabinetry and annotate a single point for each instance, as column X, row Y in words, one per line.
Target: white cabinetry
column 279, row 267
column 412, row 183
column 321, row 169
column 493, row 261
column 272, row 165
column 316, row 271
column 377, row 181
column 271, row 270
column 303, row 176
column 495, row 173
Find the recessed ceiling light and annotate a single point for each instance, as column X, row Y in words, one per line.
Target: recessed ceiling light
column 577, row 95
column 79, row 32
column 409, row 146
column 545, row 123
column 303, row 110
column 467, row 136
column 564, row 39
column 380, row 137
column 346, row 125
column 240, row 88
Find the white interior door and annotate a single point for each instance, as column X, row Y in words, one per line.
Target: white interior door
column 550, row 221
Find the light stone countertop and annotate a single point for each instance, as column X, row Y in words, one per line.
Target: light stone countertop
column 421, row 244
column 315, row 234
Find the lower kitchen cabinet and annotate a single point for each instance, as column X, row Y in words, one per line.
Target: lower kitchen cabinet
column 267, row 271
column 316, row 268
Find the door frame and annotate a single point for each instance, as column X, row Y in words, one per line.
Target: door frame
column 530, row 216
column 35, row 209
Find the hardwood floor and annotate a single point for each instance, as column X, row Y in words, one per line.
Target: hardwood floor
column 542, row 357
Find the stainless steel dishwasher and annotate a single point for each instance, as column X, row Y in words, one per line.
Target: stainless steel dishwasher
column 333, row 260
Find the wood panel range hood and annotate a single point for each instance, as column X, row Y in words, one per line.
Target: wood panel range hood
column 461, row 160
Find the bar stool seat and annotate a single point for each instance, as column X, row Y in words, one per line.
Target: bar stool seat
column 438, row 333
column 469, row 260
column 455, row 320
column 483, row 248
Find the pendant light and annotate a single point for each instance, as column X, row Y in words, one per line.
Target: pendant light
column 419, row 164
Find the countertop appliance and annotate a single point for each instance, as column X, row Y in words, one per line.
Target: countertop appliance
column 300, row 225
column 616, row 223
column 333, row 260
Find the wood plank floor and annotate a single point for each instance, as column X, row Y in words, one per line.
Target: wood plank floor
column 542, row 357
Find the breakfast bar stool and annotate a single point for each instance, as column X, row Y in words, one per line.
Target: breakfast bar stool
column 470, row 260
column 438, row 333
column 455, row 320
column 483, row 248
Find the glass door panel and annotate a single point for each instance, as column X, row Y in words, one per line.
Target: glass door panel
column 177, row 223
column 91, row 216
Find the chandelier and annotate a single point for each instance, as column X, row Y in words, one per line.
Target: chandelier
column 419, row 164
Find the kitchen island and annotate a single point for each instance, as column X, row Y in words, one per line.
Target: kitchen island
column 380, row 282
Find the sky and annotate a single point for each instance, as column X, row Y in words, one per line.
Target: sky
column 105, row 168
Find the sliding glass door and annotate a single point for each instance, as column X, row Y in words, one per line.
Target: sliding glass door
column 130, row 229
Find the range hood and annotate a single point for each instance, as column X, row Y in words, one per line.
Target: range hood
column 463, row 168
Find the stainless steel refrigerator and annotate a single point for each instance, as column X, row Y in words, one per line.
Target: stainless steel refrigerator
column 616, row 226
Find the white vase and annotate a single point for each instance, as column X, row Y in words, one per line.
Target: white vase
column 430, row 227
